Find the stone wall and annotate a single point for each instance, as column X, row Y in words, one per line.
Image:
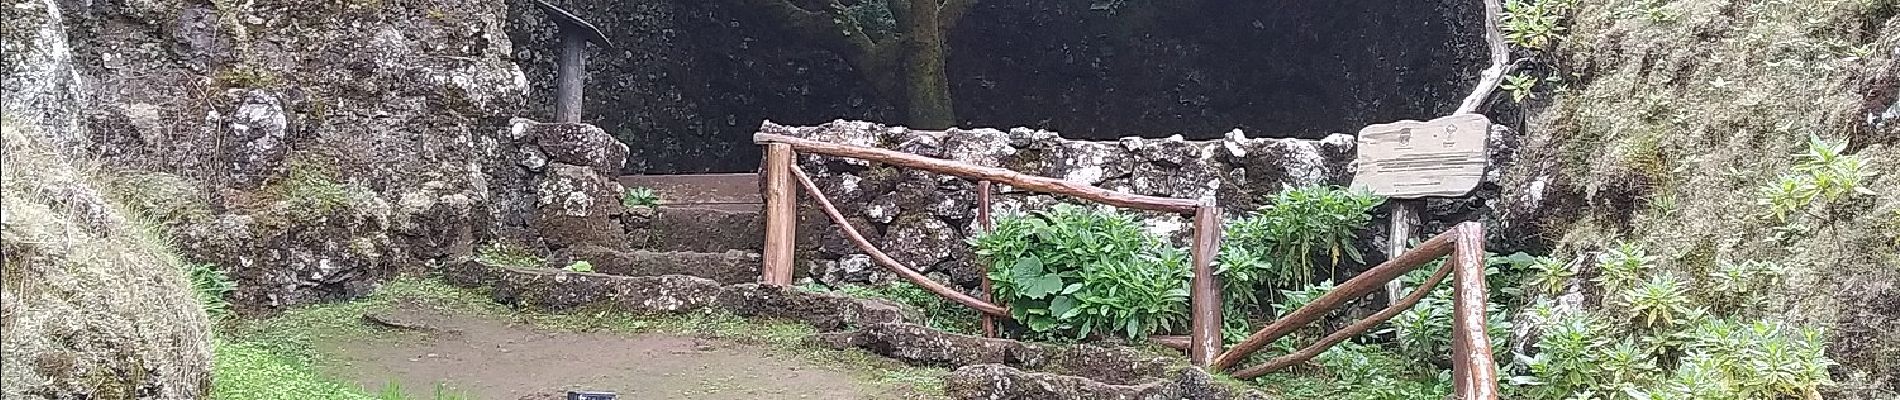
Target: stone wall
column 309, row 149
column 688, row 80
column 923, row 219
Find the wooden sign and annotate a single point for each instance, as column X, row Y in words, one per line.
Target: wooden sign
column 1411, row 159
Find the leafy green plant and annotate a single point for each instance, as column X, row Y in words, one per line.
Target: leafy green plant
column 1623, row 266
column 211, row 286
column 1534, row 24
column 1551, row 276
column 579, row 266
column 1521, row 86
column 1069, row 272
column 1821, row 172
column 1660, row 302
column 1734, row 287
column 1278, row 243
column 640, row 197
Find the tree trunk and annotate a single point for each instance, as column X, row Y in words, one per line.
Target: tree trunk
column 926, row 86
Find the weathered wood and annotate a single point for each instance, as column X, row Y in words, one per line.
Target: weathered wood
column 1365, row 282
column 1492, row 76
column 850, row 232
column 983, row 220
column 1177, row 342
column 1474, row 372
column 780, row 220
column 1403, row 221
column 1412, row 159
column 1204, row 330
column 973, row 172
column 1337, row 337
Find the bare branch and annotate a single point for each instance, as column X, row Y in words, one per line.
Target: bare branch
column 1489, row 80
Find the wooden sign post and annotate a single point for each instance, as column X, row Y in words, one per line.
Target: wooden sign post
column 1407, row 161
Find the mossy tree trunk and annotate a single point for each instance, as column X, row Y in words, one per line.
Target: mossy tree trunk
column 903, row 57
column 929, row 89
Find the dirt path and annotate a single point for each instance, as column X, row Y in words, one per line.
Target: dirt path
column 496, row 360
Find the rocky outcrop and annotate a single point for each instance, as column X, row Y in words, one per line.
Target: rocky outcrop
column 922, row 218
column 1669, row 149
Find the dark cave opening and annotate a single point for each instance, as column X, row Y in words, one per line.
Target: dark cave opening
column 689, row 81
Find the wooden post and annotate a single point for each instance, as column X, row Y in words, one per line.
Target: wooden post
column 983, row 220
column 1405, row 213
column 1204, row 333
column 780, row 221
column 1474, row 372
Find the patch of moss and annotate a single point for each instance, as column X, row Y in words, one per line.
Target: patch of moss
column 247, row 76
column 308, row 191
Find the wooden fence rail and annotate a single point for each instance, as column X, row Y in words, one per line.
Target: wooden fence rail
column 1474, row 371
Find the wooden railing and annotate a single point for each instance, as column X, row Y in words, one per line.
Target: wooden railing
column 1473, row 368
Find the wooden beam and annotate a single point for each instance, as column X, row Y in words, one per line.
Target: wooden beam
column 983, row 220
column 908, row 274
column 1204, row 331
column 1404, row 218
column 1177, row 342
column 1474, row 372
column 973, row 172
column 1398, row 306
column 780, row 220
column 1365, row 282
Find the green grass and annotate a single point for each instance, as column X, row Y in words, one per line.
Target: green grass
column 279, row 358
column 248, row 370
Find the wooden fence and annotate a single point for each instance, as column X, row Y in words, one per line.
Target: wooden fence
column 1473, row 368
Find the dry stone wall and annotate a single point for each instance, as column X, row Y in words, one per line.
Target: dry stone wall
column 923, row 219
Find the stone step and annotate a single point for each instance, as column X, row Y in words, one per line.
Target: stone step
column 737, row 191
column 697, row 229
column 728, row 267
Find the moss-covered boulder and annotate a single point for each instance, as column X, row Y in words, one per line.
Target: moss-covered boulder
column 95, row 305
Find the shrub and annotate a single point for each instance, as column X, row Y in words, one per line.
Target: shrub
column 1821, row 172
column 1069, row 272
column 1278, row 243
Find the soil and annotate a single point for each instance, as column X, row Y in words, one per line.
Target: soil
column 489, row 359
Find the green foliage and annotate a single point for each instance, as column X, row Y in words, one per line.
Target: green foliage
column 1070, row 271
column 307, row 191
column 211, row 286
column 507, row 255
column 1735, row 287
column 251, row 371
column 1423, row 332
column 1277, row 244
column 1551, row 276
column 1821, row 172
column 938, row 312
column 1623, row 267
column 640, row 197
column 1656, row 339
column 1660, row 302
column 579, row 266
column 1354, row 371
column 1534, row 24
